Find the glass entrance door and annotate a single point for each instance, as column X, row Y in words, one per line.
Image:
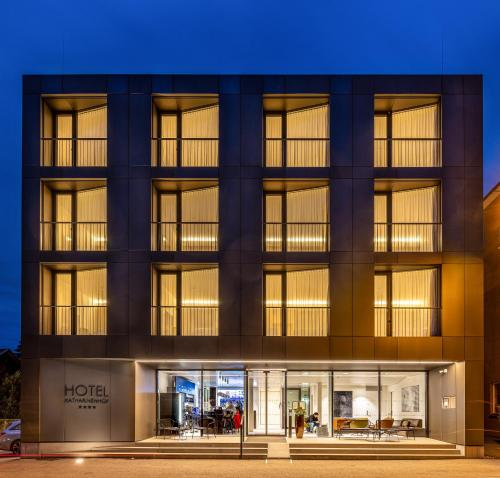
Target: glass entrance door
column 266, row 391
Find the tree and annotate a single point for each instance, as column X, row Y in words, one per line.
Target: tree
column 10, row 395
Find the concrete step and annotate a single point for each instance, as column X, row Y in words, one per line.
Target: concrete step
column 177, row 454
column 189, row 444
column 190, row 449
column 371, row 456
column 371, row 451
column 180, row 449
column 376, row 445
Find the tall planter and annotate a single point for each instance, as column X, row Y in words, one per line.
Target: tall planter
column 299, row 426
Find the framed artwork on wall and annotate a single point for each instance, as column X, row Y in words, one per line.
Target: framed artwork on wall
column 410, row 398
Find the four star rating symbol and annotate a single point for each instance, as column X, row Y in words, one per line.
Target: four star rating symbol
column 86, row 406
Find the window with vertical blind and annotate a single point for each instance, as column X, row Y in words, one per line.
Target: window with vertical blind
column 297, row 138
column 187, row 138
column 74, row 218
column 407, row 303
column 74, row 302
column 297, row 221
column 408, row 220
column 186, row 302
column 408, row 135
column 296, row 303
column 186, row 220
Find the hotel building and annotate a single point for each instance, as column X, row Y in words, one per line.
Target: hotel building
column 195, row 242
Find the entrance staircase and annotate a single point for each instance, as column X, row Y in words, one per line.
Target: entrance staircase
column 373, row 451
column 181, row 449
column 276, row 450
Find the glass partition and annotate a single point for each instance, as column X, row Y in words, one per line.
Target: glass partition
column 313, row 392
column 403, row 397
column 222, row 403
column 355, row 396
column 198, row 403
column 179, row 400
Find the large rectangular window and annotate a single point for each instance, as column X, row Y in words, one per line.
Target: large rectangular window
column 403, row 398
column 185, row 220
column 393, row 399
column 197, row 403
column 74, row 131
column 407, row 132
column 296, row 131
column 297, row 220
column 73, row 300
column 407, row 302
column 185, row 302
column 296, row 303
column 355, row 400
column 408, row 219
column 185, row 131
column 74, row 216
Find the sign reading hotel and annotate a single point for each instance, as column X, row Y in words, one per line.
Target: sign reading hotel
column 87, row 396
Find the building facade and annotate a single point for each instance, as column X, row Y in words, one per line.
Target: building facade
column 191, row 242
column 491, row 311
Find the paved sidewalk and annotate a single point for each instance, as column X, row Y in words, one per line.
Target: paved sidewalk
column 117, row 468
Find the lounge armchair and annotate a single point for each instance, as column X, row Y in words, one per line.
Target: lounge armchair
column 385, row 427
column 408, row 426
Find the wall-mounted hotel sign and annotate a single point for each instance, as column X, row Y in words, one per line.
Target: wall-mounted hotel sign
column 86, row 396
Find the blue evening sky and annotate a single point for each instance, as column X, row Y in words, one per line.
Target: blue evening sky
column 229, row 36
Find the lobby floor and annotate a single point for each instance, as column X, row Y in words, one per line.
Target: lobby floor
column 118, row 468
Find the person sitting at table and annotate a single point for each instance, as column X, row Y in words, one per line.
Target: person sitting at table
column 313, row 422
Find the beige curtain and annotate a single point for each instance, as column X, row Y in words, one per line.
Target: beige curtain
column 63, row 226
column 274, row 305
column 200, row 132
column 64, row 143
column 307, row 218
column 168, row 140
column 381, row 305
column 63, row 298
column 307, row 132
column 380, row 143
column 308, row 123
column 380, row 219
column 92, row 130
column 93, row 123
column 168, row 305
column 200, row 301
column 91, row 217
column 421, row 123
column 200, row 217
column 47, row 303
column 168, row 222
column 307, row 302
column 415, row 299
column 274, row 219
column 415, row 218
column 91, row 301
column 274, row 146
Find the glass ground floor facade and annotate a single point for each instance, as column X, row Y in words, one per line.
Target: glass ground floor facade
column 270, row 400
column 75, row 401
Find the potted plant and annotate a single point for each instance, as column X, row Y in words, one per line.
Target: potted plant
column 299, row 421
